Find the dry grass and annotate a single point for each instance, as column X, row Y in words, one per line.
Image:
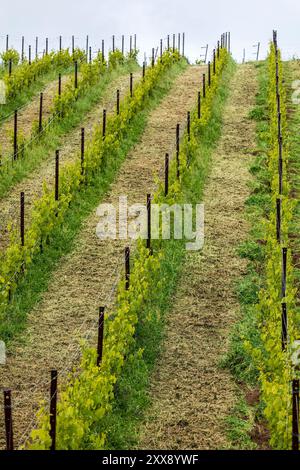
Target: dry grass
column 191, row 395
column 86, row 276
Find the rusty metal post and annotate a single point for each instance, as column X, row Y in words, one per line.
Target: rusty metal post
column 166, row 174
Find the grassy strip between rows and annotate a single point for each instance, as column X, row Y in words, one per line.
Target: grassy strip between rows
column 256, row 357
column 62, row 238
column 102, row 405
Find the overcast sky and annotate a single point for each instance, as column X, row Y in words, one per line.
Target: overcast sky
column 202, row 21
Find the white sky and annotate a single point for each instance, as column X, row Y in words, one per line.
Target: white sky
column 203, row 21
